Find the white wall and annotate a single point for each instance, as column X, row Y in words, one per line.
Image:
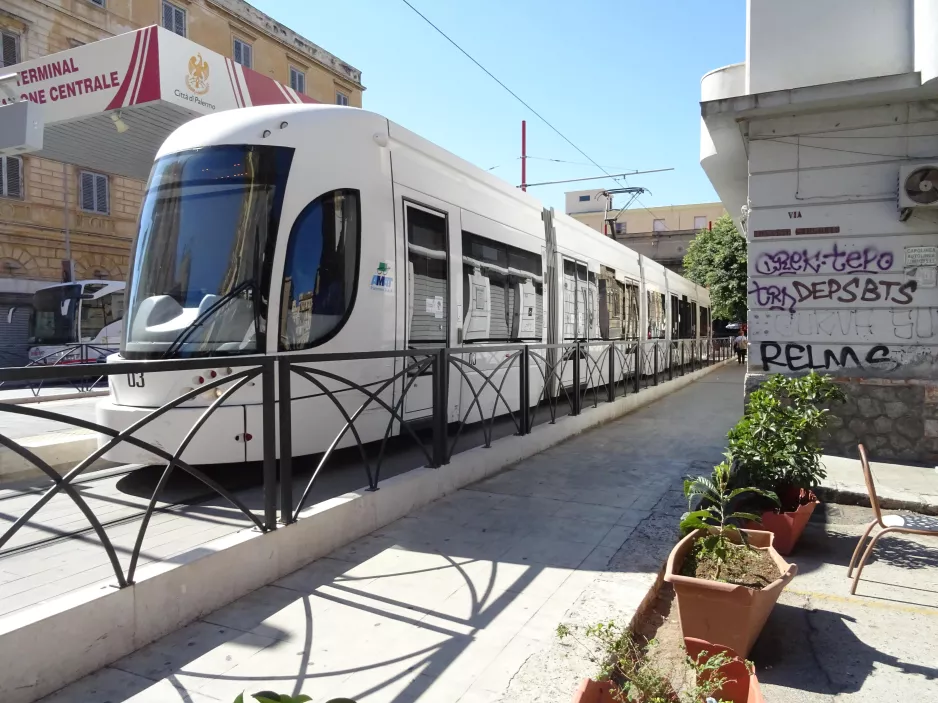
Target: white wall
column 839, row 297
column 595, row 203
column 797, row 43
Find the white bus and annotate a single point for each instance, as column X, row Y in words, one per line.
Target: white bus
column 281, row 229
column 76, row 322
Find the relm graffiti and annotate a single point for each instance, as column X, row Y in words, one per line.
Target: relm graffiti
column 868, row 290
column 833, row 259
column 896, row 360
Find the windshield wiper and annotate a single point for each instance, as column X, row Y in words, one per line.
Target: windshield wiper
column 201, row 319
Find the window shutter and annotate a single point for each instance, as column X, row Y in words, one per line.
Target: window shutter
column 100, row 187
column 10, row 50
column 13, row 176
column 180, row 22
column 238, row 58
column 246, row 53
column 87, row 191
column 168, row 17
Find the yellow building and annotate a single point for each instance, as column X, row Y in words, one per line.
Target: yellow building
column 99, row 209
column 660, row 233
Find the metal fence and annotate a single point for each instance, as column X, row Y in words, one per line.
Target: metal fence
column 556, row 380
column 83, row 354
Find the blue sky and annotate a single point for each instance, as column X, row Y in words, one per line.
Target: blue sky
column 620, row 78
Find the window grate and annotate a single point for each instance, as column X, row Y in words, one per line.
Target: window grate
column 11, row 176
column 174, row 18
column 94, row 192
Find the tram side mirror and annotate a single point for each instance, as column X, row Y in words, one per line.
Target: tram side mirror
column 10, row 316
column 65, row 304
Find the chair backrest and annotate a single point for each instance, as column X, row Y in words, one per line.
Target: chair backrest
column 870, row 488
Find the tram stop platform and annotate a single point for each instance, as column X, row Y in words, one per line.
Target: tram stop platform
column 458, row 600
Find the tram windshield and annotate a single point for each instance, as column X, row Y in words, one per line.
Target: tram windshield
column 52, row 320
column 201, row 263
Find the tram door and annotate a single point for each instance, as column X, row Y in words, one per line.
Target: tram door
column 428, row 292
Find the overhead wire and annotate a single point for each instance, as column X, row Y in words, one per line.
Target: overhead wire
column 510, row 91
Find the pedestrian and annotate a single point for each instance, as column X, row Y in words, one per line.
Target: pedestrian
column 740, row 344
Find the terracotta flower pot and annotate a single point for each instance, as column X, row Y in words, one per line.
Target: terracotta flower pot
column 723, row 613
column 787, row 527
column 594, row 692
column 741, row 686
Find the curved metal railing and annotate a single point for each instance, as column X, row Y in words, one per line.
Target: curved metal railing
column 506, row 388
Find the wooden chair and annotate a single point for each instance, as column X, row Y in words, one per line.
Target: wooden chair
column 903, row 524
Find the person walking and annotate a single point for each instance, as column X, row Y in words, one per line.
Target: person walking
column 740, row 344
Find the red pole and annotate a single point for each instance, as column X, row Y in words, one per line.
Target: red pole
column 524, row 155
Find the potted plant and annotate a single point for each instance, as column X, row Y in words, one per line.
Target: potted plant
column 726, row 579
column 777, row 445
column 627, row 674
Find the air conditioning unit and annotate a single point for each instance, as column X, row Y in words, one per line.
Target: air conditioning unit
column 918, row 187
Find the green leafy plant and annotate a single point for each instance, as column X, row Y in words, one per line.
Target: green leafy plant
column 637, row 679
column 777, row 441
column 716, row 258
column 715, row 514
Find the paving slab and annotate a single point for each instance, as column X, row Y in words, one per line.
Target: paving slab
column 460, row 600
column 898, row 486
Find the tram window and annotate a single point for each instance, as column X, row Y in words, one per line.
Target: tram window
column 503, row 294
column 631, row 311
column 656, row 315
column 320, row 273
column 704, row 322
column 675, row 318
column 610, row 304
column 428, row 290
column 693, row 320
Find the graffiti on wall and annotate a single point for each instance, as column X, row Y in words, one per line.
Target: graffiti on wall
column 792, row 294
column 830, row 259
column 850, row 307
column 846, row 359
column 900, row 325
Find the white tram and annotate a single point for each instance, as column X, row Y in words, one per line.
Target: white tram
column 329, row 229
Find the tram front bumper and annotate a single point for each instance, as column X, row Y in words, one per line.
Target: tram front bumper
column 218, row 441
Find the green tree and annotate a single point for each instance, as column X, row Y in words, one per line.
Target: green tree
column 716, row 259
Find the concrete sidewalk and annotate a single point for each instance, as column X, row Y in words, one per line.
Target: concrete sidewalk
column 898, row 487
column 460, row 600
column 822, row 645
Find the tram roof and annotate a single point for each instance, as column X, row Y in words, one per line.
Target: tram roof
column 152, row 79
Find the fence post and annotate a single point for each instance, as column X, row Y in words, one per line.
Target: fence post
column 576, row 378
column 655, row 363
column 611, row 386
column 670, row 361
column 284, row 398
column 524, row 391
column 269, row 428
column 638, row 366
column 440, row 423
column 682, row 357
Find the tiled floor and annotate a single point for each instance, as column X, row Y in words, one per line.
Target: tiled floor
column 453, row 601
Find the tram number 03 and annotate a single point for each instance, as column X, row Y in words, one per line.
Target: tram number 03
column 135, row 380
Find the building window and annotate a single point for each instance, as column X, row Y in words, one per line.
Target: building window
column 620, row 228
column 320, row 275
column 658, row 226
column 584, row 198
column 341, row 98
column 99, row 3
column 700, row 222
column 11, row 49
column 94, row 193
column 243, row 53
column 11, row 176
column 174, row 18
column 297, row 80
